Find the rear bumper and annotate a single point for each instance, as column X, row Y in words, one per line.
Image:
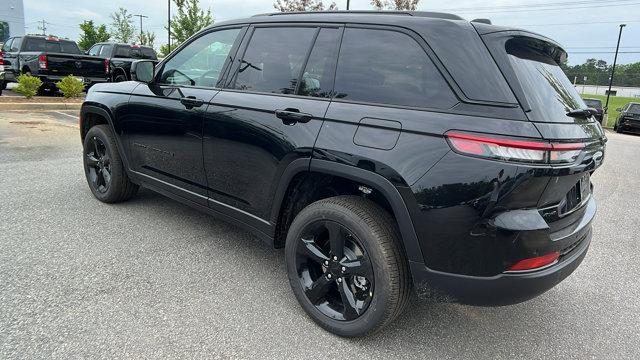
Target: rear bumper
column 506, row 288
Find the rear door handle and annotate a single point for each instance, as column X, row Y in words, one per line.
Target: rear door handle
column 290, row 116
column 191, row 102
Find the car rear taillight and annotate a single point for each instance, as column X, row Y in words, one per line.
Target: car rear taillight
column 106, row 66
column 509, row 149
column 1, row 58
column 536, row 262
column 43, row 62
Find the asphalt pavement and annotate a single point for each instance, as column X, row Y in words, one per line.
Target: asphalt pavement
column 152, row 278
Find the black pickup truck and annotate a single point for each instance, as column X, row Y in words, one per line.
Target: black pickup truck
column 50, row 59
column 118, row 58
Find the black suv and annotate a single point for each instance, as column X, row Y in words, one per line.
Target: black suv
column 383, row 151
column 629, row 118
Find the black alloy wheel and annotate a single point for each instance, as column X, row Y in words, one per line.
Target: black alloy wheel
column 98, row 164
column 103, row 167
column 346, row 265
column 334, row 270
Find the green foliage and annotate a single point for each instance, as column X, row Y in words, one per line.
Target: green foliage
column 122, row 29
column 395, row 4
column 302, row 5
column 165, row 50
column 70, row 87
column 4, row 31
column 28, row 85
column 147, row 38
column 189, row 20
column 598, row 72
column 92, row 34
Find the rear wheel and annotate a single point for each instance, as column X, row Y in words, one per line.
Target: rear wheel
column 104, row 168
column 3, row 85
column 346, row 265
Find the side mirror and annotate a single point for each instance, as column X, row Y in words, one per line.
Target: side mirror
column 619, row 109
column 142, row 70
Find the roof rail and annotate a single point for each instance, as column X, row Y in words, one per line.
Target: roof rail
column 429, row 14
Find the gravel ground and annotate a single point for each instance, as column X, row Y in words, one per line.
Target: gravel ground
column 152, row 278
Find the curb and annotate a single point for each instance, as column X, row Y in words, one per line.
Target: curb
column 39, row 106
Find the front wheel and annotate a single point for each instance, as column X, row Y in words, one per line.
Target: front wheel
column 346, row 265
column 103, row 167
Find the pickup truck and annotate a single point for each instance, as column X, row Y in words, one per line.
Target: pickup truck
column 50, row 59
column 118, row 58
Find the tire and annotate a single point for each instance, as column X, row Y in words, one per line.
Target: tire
column 368, row 226
column 100, row 154
column 3, row 85
column 120, row 78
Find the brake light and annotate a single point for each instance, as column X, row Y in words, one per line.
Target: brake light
column 52, row 38
column 135, row 46
column 508, row 149
column 107, row 70
column 43, row 62
column 1, row 58
column 536, row 262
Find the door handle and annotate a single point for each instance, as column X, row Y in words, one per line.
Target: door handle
column 191, row 102
column 290, row 116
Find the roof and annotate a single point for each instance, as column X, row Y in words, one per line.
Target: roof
column 358, row 16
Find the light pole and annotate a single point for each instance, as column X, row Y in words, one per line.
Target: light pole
column 348, row 1
column 169, row 25
column 141, row 17
column 613, row 69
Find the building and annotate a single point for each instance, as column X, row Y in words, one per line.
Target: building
column 602, row 90
column 11, row 19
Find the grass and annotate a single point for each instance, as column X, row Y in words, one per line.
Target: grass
column 614, row 103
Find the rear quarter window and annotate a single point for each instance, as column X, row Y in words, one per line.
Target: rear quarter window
column 389, row 67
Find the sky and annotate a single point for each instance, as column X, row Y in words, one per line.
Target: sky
column 586, row 28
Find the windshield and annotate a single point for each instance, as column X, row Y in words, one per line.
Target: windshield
column 634, row 108
column 547, row 89
column 592, row 103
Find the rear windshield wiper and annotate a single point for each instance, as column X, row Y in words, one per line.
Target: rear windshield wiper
column 585, row 113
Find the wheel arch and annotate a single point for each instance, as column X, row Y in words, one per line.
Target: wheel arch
column 93, row 114
column 316, row 169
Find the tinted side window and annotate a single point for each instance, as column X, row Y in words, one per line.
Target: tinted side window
column 15, row 45
column 106, row 50
column 200, row 62
column 95, row 50
column 317, row 79
column 122, row 52
column 7, row 45
column 389, row 67
column 34, row 44
column 274, row 58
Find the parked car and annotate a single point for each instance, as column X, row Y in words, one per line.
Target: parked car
column 118, row 58
column 596, row 104
column 629, row 118
column 371, row 148
column 50, row 59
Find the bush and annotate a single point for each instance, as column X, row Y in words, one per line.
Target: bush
column 70, row 87
column 28, row 85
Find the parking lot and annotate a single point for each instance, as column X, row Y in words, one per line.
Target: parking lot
column 154, row 278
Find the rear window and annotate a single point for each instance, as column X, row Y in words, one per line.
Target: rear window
column 52, row 46
column 547, row 89
column 634, row 108
column 592, row 103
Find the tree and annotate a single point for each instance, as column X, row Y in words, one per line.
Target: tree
column 122, row 29
column 190, row 20
column 147, row 38
column 302, row 5
column 92, row 34
column 395, row 4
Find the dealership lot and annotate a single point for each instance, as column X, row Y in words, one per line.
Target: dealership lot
column 154, row 278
